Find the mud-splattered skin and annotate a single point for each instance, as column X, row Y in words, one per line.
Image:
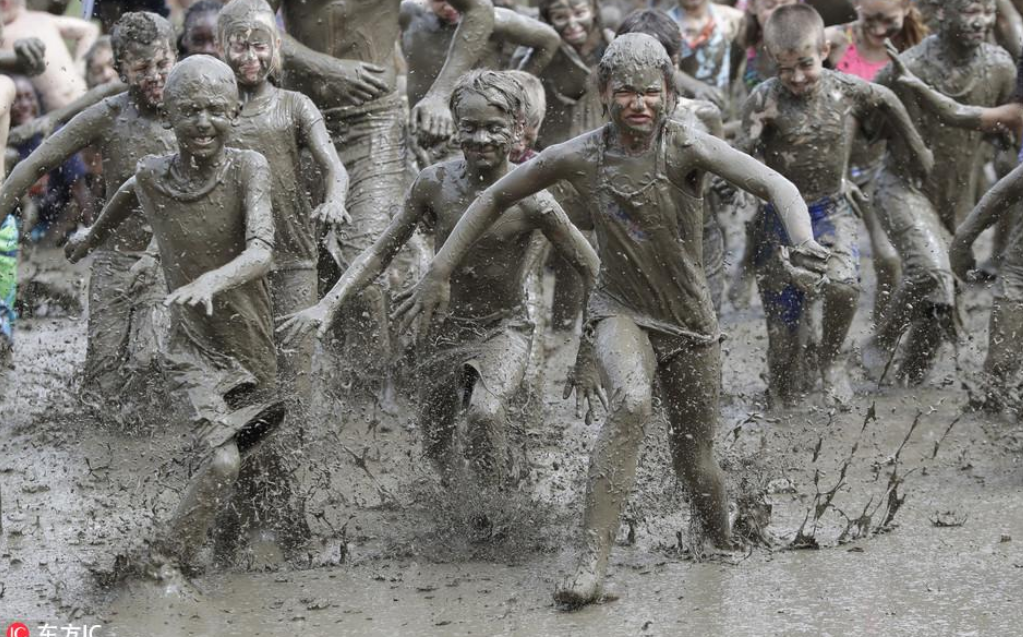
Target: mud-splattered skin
column 124, row 129
column 427, row 37
column 809, row 138
column 650, row 312
column 958, row 63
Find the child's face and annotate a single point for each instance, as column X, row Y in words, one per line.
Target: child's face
column 764, row 9
column 526, row 141
column 100, row 69
column 202, row 119
column 573, row 20
column 445, row 11
column 144, row 69
column 26, row 103
column 250, row 53
column 969, row 22
column 485, row 132
column 636, row 99
column 800, row 66
column 201, row 36
column 880, row 19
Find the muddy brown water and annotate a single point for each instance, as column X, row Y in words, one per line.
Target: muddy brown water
column 75, row 493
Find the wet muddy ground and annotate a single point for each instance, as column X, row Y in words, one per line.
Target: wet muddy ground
column 76, row 491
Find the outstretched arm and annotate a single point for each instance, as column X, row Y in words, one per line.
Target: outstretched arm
column 79, row 133
column 318, row 141
column 433, row 290
column 1000, row 200
column 567, row 239
column 45, row 124
column 883, row 99
column 511, row 26
column 257, row 257
column 363, row 271
column 431, row 114
column 113, row 215
column 998, row 119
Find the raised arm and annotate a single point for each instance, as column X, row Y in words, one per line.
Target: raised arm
column 113, row 215
column 80, row 132
column 511, row 26
column 82, row 32
column 998, row 119
column 1000, row 200
column 431, row 114
column 364, row 270
column 317, row 140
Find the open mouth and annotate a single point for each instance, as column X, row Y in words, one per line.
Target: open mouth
column 574, row 33
column 204, row 141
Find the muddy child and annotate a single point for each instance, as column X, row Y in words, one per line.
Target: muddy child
column 958, row 62
column 649, row 317
column 210, row 210
column 478, row 357
column 121, row 330
column 803, row 124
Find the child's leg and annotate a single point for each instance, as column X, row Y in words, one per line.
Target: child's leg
column 691, row 384
column 205, row 495
column 742, row 281
column 784, row 306
column 627, row 367
column 492, row 391
column 109, row 322
column 1003, row 356
column 293, row 291
column 839, row 232
column 887, row 267
column 440, row 399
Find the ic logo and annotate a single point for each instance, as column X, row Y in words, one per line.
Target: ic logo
column 17, row 629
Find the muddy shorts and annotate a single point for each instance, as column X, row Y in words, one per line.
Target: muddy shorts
column 913, row 226
column 834, row 226
column 8, row 281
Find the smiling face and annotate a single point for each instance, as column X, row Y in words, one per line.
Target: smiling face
column 486, row 133
column 968, row 22
column 881, row 19
column 636, row 99
column 445, row 11
column 100, row 68
column 250, row 51
column 144, row 68
column 574, row 20
column 800, row 66
column 201, row 113
column 26, row 103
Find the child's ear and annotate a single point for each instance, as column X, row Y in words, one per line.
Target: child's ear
column 826, row 49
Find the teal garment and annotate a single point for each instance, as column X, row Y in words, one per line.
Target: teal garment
column 8, row 279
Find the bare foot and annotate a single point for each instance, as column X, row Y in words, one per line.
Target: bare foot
column 836, row 387
column 875, row 359
column 585, row 587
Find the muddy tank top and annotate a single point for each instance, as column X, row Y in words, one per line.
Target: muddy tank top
column 650, row 242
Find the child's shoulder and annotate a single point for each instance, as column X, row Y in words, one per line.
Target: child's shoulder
column 997, row 56
column 246, row 159
column 764, row 93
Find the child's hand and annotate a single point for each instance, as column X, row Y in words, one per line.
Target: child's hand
column 75, row 249
column 960, row 257
column 31, row 55
column 807, row 264
column 432, row 116
column 901, row 71
column 198, row 292
column 332, row 213
column 584, row 378
column 296, row 326
column 142, row 274
column 429, row 298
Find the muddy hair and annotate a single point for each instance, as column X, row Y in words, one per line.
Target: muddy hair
column 139, row 27
column 199, row 69
column 657, row 24
column 635, row 50
column 101, row 43
column 792, row 24
column 244, row 13
column 499, row 89
column 534, row 98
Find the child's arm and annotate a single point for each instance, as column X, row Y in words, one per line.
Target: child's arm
column 998, row 201
column 257, row 257
column 113, row 215
column 998, row 119
column 80, row 132
column 82, row 32
column 432, row 115
column 566, row 238
column 45, row 124
column 431, row 294
column 900, row 124
column 516, row 28
column 366, row 267
column 332, row 211
column 717, row 157
column 27, row 58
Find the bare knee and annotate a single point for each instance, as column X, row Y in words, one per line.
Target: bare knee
column 633, row 407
